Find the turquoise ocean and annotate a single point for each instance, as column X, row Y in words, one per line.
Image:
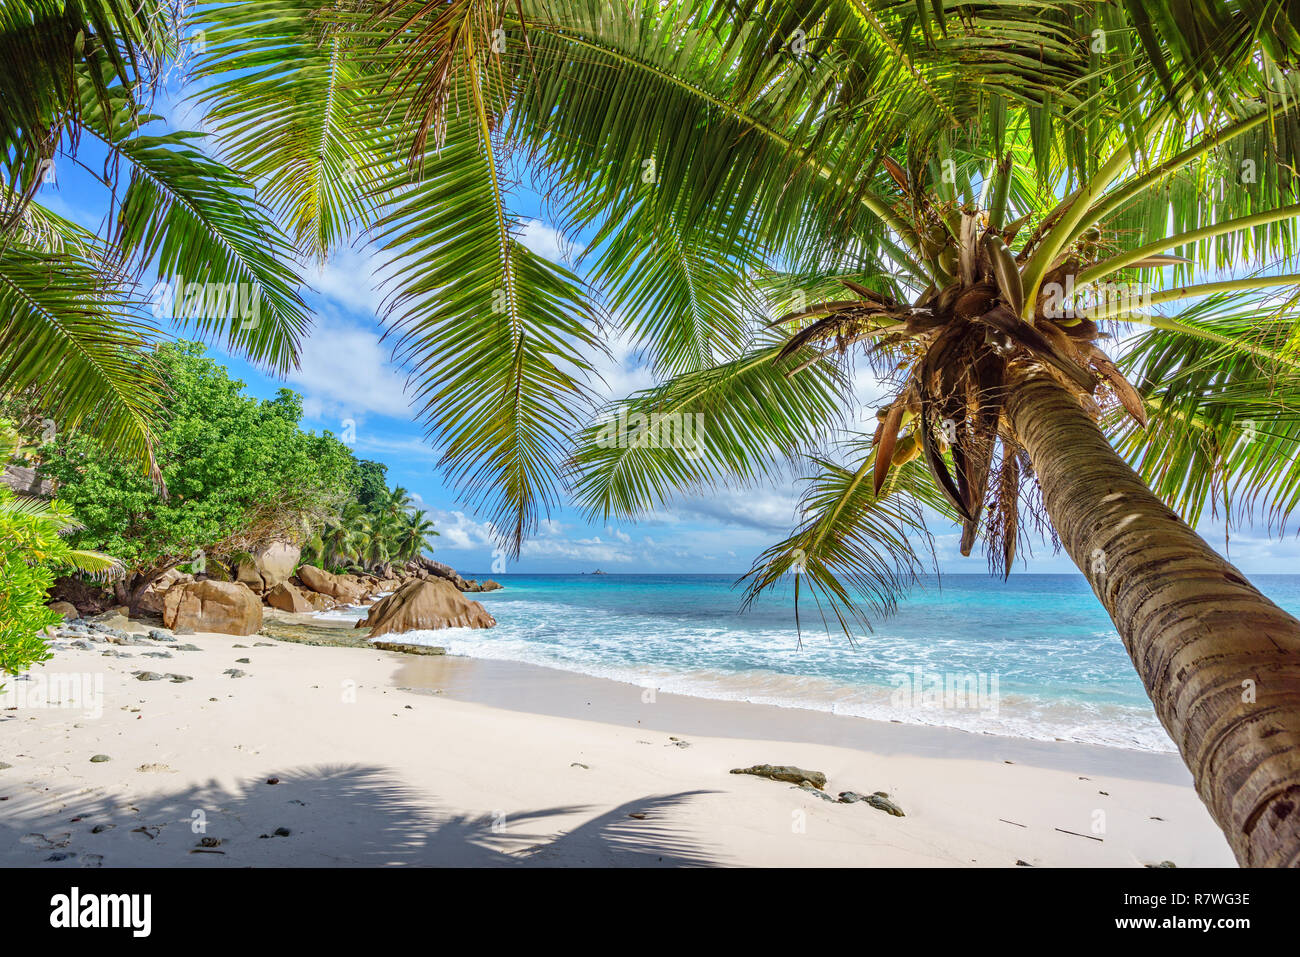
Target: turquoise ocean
column 1033, row 657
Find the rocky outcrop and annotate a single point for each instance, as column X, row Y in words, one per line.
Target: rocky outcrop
column 286, row 597
column 151, row 602
column 427, row 568
column 270, row 565
column 785, row 772
column 343, row 588
column 317, row 601
column 423, row 567
column 246, row 574
column 276, row 562
column 879, row 800
column 225, row 607
column 425, row 604
column 363, row 586
column 65, row 608
column 314, row 633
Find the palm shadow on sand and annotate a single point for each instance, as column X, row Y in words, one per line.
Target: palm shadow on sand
column 335, row 816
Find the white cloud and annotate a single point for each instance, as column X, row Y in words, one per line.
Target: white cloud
column 345, row 373
column 351, row 278
column 378, row 445
column 622, row 372
column 459, row 532
column 771, row 510
column 546, row 241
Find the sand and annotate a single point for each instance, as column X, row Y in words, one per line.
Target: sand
column 380, row 759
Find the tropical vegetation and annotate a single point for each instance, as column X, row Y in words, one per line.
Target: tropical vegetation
column 239, row 474
column 372, row 531
column 76, row 319
column 33, row 548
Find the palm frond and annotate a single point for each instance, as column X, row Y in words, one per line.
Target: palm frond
column 502, row 340
column 75, row 350
column 858, row 551
column 736, row 422
column 1221, row 391
column 292, row 108
column 198, row 224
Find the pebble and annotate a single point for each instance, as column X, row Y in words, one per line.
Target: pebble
column 233, row 672
column 100, row 759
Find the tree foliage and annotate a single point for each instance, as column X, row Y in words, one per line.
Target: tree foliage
column 239, row 473
column 33, row 547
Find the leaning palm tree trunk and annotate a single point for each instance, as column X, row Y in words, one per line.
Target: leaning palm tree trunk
column 1220, row 661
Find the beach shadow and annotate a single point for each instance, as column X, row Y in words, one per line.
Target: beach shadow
column 334, row 816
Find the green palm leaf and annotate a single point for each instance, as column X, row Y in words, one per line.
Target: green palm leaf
column 500, row 337
column 197, row 223
column 292, row 109
column 747, row 418
column 75, row 350
column 856, row 550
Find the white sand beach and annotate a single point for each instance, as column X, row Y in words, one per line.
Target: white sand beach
column 387, row 759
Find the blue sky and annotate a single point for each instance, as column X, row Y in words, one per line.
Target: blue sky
column 346, row 378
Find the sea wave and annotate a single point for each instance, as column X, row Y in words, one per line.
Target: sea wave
column 1006, row 714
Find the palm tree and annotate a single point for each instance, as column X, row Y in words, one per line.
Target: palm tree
column 340, row 539
column 377, row 546
column 396, row 503
column 916, row 185
column 412, row 538
column 74, row 319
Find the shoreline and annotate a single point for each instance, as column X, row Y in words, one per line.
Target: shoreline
column 531, row 688
column 367, row 773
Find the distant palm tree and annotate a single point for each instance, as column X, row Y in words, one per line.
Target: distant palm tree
column 341, row 539
column 376, row 547
column 395, row 504
column 412, row 539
